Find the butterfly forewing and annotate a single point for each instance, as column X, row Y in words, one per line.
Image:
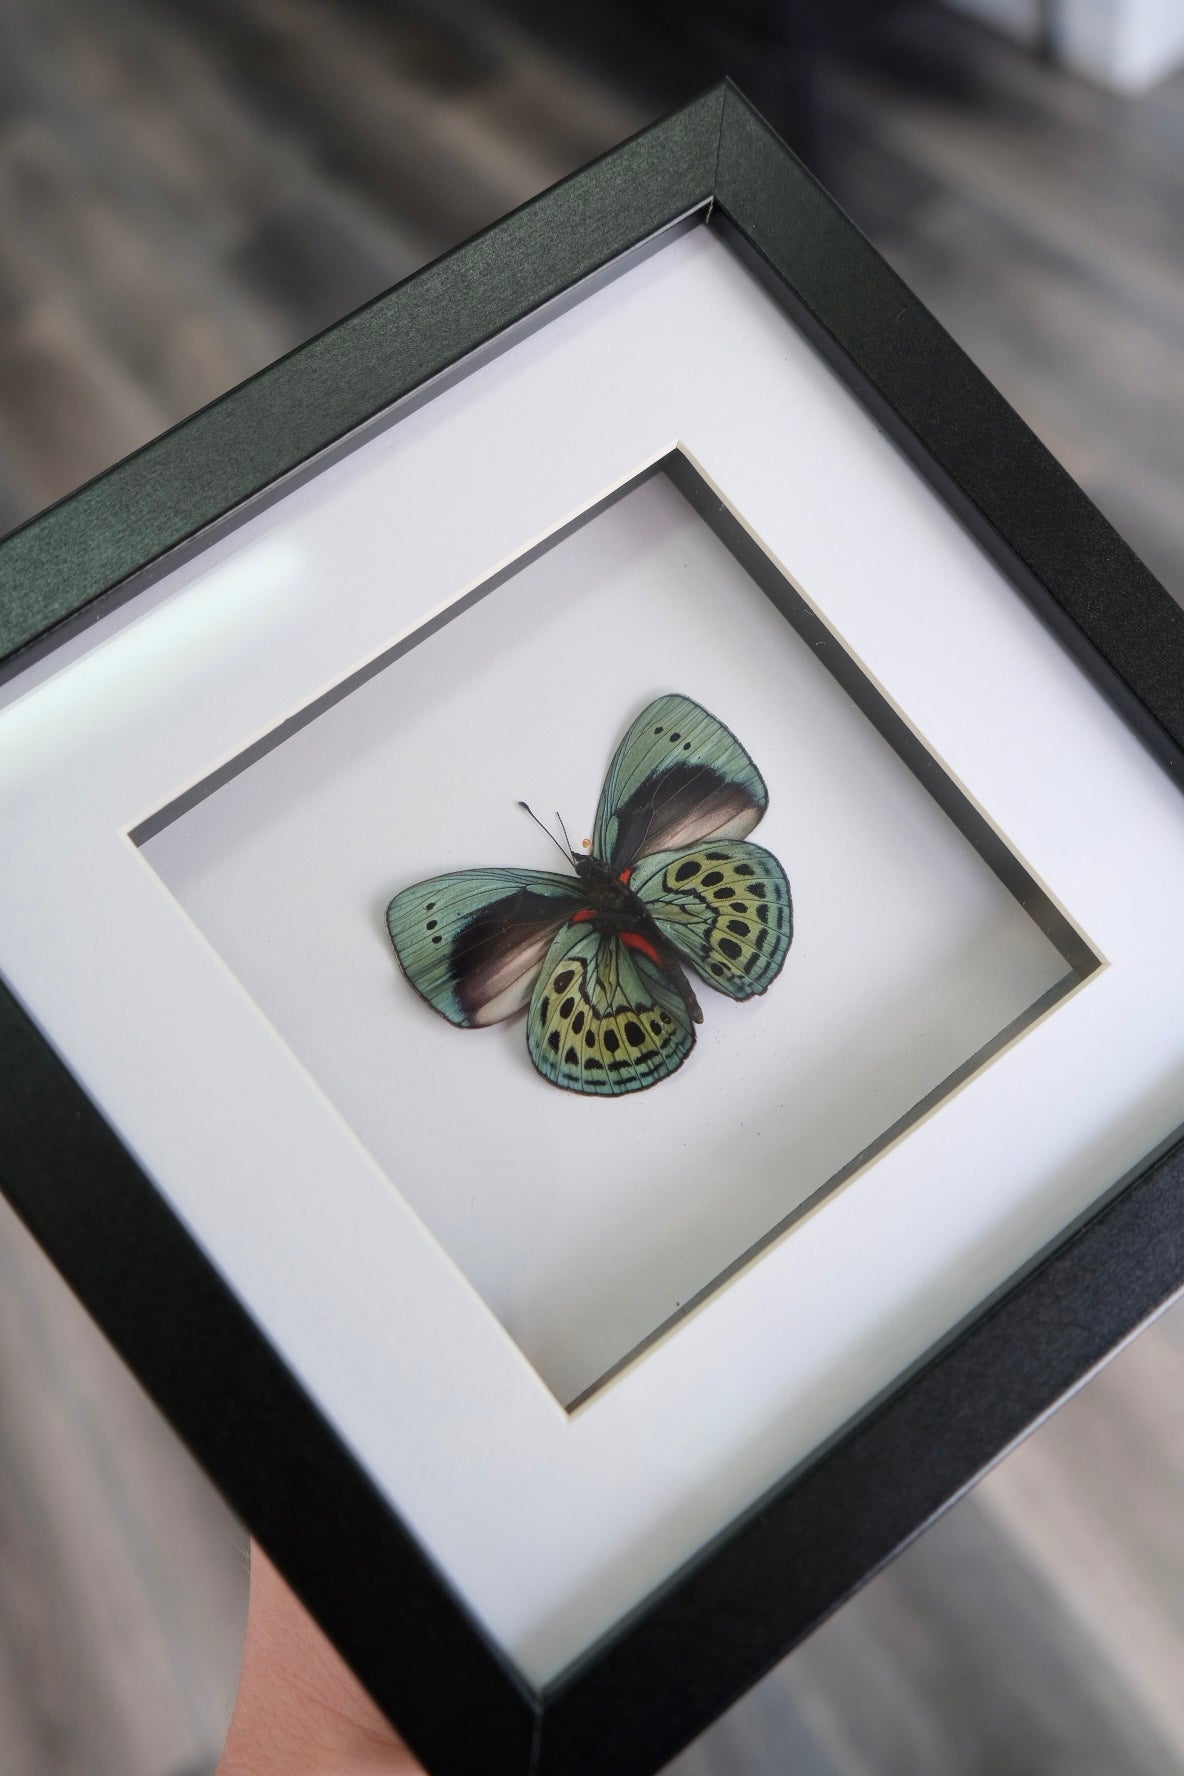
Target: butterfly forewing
column 679, row 778
column 605, row 1019
column 472, row 942
column 725, row 907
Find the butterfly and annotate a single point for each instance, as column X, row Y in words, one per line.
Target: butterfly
column 671, row 881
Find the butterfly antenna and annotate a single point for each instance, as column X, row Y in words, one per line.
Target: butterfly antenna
column 547, row 830
column 563, row 830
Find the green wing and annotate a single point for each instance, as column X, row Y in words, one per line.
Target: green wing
column 604, row 1019
column 679, row 778
column 471, row 943
column 725, row 907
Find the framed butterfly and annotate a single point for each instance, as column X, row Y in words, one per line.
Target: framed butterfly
column 670, row 883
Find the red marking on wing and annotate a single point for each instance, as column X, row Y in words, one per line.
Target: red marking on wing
column 624, row 876
column 633, row 940
column 582, row 917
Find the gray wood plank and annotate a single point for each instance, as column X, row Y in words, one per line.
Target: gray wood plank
column 138, row 312
column 1095, row 1502
column 1036, row 1628
column 122, row 1587
column 189, row 187
column 1040, row 219
column 65, row 403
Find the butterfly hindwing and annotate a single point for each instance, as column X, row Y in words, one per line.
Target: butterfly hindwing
column 679, row 778
column 725, row 907
column 471, row 942
column 604, row 1019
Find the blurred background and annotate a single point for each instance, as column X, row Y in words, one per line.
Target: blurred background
column 189, row 188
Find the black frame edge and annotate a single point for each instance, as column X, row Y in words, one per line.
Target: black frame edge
column 763, row 1586
column 60, row 562
column 136, row 1269
column 1104, row 604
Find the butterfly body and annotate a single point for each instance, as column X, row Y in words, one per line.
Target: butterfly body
column 601, row 958
column 615, row 912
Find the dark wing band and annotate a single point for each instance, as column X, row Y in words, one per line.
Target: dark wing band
column 471, row 943
column 679, row 778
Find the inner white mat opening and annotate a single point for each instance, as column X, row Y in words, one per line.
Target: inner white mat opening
column 588, row 1224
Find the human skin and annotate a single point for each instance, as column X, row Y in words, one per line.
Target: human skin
column 299, row 1709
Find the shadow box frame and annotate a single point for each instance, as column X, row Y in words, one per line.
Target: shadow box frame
column 759, row 1587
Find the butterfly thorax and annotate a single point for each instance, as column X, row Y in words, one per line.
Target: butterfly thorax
column 615, row 910
column 610, row 897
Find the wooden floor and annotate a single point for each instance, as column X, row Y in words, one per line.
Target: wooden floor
column 188, row 188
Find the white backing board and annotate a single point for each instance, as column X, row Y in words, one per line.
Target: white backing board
column 585, row 1224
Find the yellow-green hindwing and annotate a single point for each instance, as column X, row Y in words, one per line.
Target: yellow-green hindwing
column 604, row 1019
column 725, row 908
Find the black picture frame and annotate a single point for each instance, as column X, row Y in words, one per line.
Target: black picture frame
column 631, row 1702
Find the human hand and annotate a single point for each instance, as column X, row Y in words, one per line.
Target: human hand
column 299, row 1710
